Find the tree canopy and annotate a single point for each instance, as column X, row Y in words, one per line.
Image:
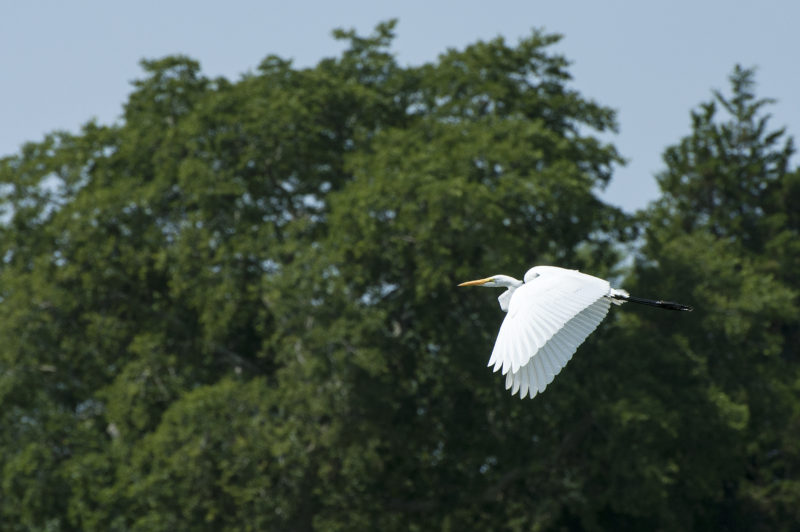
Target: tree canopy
column 235, row 308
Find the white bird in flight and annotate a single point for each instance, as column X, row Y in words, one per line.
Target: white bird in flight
column 549, row 314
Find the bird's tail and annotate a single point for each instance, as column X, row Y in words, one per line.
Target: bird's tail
column 621, row 296
column 617, row 296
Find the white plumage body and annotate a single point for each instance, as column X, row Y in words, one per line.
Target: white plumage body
column 549, row 316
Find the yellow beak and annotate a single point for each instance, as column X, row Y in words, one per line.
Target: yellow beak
column 476, row 283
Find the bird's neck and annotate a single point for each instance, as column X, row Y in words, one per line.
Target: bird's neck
column 505, row 280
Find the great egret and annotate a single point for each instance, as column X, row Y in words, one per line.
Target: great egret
column 549, row 314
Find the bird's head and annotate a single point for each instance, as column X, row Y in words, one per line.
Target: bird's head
column 494, row 281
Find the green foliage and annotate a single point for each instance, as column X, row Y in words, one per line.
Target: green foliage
column 236, row 309
column 723, row 233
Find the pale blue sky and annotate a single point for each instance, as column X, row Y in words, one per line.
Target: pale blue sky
column 62, row 63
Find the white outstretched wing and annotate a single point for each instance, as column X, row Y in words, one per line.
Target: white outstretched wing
column 548, row 318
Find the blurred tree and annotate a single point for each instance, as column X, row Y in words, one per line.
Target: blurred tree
column 133, row 260
column 725, row 231
column 235, row 309
column 386, row 358
column 248, row 287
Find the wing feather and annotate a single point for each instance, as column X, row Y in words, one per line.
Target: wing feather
column 538, row 332
column 517, row 343
column 540, row 372
column 555, row 357
column 563, row 347
column 525, row 383
column 493, row 358
column 549, row 366
column 534, row 389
